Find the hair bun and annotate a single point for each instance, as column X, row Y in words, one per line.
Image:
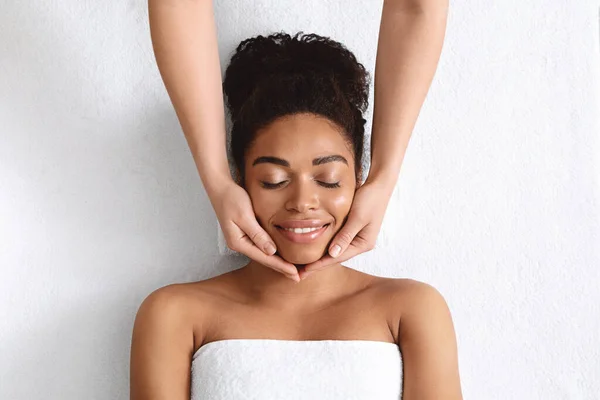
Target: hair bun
column 311, row 56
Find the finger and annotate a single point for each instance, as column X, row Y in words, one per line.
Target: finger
column 345, row 236
column 321, row 263
column 258, row 235
column 241, row 243
column 247, row 247
column 327, row 261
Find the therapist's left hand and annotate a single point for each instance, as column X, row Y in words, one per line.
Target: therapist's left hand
column 359, row 233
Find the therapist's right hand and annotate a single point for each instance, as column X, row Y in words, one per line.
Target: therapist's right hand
column 242, row 231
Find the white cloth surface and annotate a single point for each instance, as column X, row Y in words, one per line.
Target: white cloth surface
column 272, row 369
column 222, row 243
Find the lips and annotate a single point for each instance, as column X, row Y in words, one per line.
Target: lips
column 302, row 231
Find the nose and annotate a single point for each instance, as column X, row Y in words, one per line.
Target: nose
column 303, row 196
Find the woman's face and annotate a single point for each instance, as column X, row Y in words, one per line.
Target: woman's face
column 299, row 173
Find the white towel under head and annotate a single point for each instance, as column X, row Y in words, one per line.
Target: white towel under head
column 272, row 369
column 223, row 249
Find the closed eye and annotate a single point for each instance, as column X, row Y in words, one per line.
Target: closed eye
column 329, row 185
column 269, row 185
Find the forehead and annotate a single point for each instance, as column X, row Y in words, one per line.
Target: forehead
column 300, row 138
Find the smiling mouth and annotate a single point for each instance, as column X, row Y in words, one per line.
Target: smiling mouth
column 302, row 235
column 301, row 230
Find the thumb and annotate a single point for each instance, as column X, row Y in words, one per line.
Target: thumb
column 345, row 236
column 258, row 236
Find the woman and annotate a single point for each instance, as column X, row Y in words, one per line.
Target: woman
column 297, row 107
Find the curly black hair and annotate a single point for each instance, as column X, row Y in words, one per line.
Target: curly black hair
column 278, row 75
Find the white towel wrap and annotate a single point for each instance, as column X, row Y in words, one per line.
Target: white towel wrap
column 272, row 369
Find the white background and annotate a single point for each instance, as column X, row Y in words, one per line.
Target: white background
column 497, row 204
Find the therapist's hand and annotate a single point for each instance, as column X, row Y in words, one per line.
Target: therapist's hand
column 242, row 231
column 360, row 231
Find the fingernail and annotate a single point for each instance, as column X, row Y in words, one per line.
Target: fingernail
column 270, row 249
column 295, row 278
column 335, row 251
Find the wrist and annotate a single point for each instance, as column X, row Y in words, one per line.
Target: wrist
column 384, row 177
column 215, row 181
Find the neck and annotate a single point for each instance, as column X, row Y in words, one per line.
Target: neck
column 266, row 286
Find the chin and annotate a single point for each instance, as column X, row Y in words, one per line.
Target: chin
column 301, row 256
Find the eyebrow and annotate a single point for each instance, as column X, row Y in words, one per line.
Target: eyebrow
column 272, row 160
column 284, row 163
column 332, row 158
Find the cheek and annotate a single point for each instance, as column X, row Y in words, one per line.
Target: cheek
column 264, row 203
column 339, row 204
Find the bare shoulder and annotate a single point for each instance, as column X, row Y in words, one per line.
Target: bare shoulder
column 426, row 337
column 409, row 299
column 179, row 299
column 163, row 340
column 180, row 308
column 162, row 306
column 172, row 301
column 409, row 295
column 405, row 285
column 423, row 306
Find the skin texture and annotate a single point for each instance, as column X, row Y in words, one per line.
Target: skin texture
column 303, row 192
column 257, row 302
column 185, row 46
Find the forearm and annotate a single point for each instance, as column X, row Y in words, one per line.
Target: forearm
column 410, row 42
column 184, row 39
